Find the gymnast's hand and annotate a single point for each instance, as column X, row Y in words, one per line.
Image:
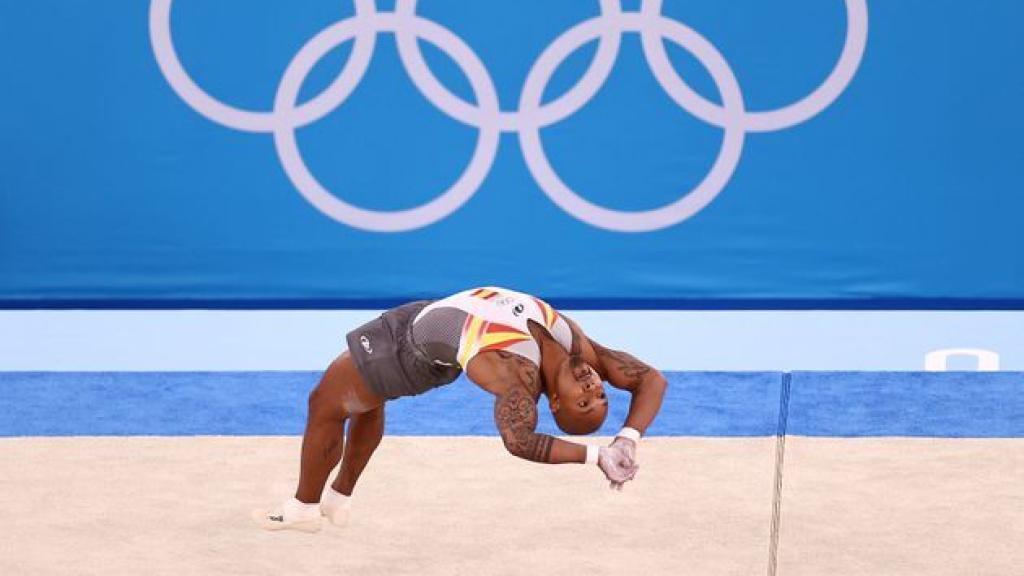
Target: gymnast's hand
column 612, row 460
column 628, row 448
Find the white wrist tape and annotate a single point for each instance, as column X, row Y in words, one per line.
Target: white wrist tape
column 592, row 454
column 631, row 433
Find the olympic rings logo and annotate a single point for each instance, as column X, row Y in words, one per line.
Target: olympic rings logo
column 486, row 116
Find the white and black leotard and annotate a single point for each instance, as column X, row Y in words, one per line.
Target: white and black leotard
column 422, row 345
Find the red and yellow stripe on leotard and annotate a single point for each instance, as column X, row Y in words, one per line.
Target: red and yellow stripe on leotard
column 479, row 336
column 484, row 293
column 550, row 316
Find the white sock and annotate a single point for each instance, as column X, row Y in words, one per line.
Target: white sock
column 335, row 506
column 295, row 511
column 332, row 498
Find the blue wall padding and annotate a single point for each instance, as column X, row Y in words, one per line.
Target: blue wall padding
column 933, row 404
column 697, row 404
column 902, row 192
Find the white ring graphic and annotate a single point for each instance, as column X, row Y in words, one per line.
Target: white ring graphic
column 564, row 106
column 773, row 120
column 384, row 221
column 246, row 120
column 637, row 221
column 532, row 115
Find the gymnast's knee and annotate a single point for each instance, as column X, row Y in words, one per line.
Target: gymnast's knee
column 323, row 405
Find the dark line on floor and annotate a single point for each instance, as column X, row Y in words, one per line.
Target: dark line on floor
column 780, row 456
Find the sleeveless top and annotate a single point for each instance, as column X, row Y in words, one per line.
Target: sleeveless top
column 455, row 329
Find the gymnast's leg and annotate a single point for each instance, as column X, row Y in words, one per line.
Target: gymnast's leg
column 340, row 395
column 323, row 441
column 364, row 434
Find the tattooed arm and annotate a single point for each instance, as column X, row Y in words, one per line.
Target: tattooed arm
column 647, row 385
column 516, row 383
column 624, row 371
column 515, row 413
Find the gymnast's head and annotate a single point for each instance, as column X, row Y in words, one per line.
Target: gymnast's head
column 579, row 403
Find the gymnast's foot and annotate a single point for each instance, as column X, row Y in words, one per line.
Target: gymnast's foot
column 294, row 515
column 335, row 506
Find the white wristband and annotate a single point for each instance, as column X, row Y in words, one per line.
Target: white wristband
column 592, row 454
column 631, row 433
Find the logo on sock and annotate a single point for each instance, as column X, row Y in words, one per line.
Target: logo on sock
column 365, row 341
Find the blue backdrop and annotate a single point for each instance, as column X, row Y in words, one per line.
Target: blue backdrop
column 153, row 154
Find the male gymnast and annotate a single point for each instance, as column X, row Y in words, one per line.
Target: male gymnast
column 512, row 345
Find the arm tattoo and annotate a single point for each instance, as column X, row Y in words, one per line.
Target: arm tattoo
column 632, row 369
column 524, row 373
column 515, row 413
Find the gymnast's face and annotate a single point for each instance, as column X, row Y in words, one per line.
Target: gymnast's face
column 581, row 404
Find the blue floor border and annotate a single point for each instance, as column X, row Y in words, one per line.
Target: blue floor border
column 710, row 404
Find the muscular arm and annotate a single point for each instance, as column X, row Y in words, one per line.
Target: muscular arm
column 624, row 371
column 515, row 413
column 647, row 385
column 516, row 383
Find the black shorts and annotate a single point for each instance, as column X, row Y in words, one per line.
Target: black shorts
column 391, row 364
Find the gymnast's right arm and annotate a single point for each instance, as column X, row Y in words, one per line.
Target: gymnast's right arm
column 515, row 413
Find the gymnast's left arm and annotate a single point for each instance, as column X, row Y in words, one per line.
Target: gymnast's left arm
column 647, row 385
column 625, row 372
